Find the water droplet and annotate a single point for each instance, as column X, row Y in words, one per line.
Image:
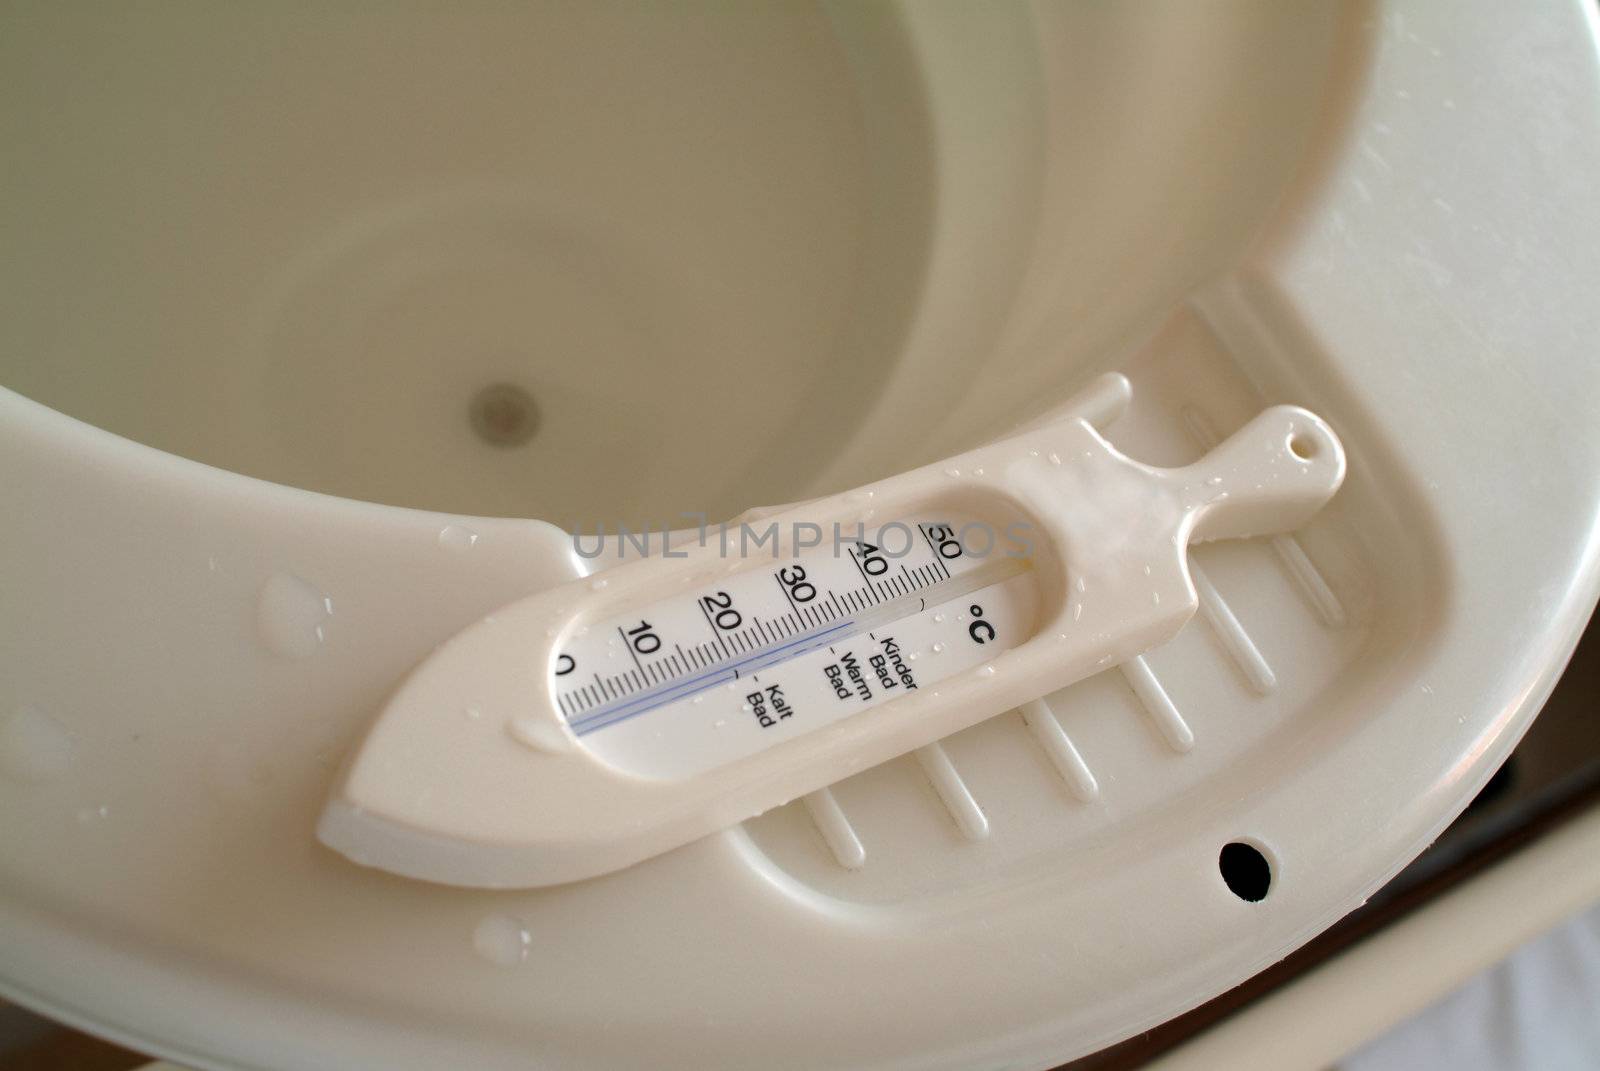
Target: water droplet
column 938, row 648
column 911, row 656
column 33, row 746
column 598, row 583
column 93, row 814
column 987, row 671
column 719, row 723
column 540, row 733
column 1033, row 453
column 1054, row 458
column 977, row 471
column 952, row 472
column 1080, row 585
column 1214, row 480
column 292, row 616
column 1147, row 570
column 457, row 537
column 938, row 618
column 1077, row 611
column 473, row 713
column 502, row 940
column 1155, row 597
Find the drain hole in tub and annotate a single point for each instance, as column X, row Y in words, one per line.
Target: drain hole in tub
column 504, row 414
column 1303, row 447
column 1245, row 870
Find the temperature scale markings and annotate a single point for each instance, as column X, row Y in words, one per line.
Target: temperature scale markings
column 787, row 594
column 621, row 711
column 712, row 625
column 750, row 642
column 626, row 643
column 669, row 690
column 729, row 652
column 938, row 559
column 854, row 560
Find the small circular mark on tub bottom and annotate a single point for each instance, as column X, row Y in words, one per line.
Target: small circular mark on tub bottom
column 504, row 414
column 1245, row 870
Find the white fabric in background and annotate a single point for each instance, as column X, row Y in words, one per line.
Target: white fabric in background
column 1539, row 1010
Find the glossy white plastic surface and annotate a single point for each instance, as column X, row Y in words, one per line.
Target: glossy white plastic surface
column 506, row 795
column 253, row 239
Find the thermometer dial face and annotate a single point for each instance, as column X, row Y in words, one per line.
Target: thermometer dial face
column 785, row 646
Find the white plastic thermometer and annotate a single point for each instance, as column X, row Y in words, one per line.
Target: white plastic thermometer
column 605, row 721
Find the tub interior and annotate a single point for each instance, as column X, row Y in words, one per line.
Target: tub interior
column 606, row 263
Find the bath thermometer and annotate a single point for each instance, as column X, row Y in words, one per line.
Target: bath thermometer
column 602, row 722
